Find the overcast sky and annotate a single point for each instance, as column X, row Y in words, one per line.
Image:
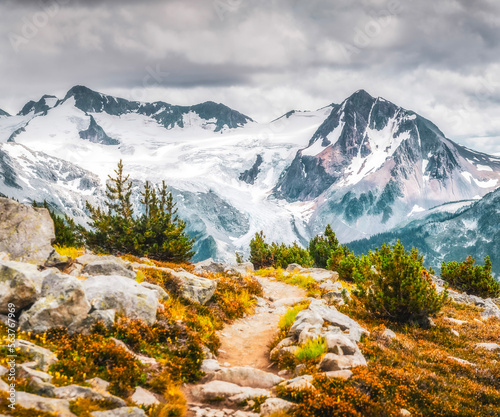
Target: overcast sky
column 439, row 58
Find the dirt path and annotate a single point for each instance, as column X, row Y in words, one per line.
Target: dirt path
column 246, row 341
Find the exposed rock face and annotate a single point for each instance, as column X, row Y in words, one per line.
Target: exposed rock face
column 144, row 397
column 209, row 265
column 63, row 302
column 26, row 233
column 275, row 405
column 109, row 265
column 43, row 357
column 334, row 362
column 123, row 295
column 120, row 412
column 162, row 294
column 247, row 376
column 195, row 288
column 228, row 391
column 72, row 392
column 50, row 405
column 20, row 284
column 85, row 326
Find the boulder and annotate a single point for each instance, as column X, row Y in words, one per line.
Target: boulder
column 210, row 366
column 39, row 387
column 194, row 288
column 208, row 265
column 320, row 275
column 98, row 384
column 160, row 292
column 294, row 268
column 388, row 335
column 305, row 318
column 26, row 233
column 346, row 374
column 299, row 383
column 329, row 285
column 247, row 376
column 72, row 392
column 487, row 346
column 86, row 325
column 63, row 302
column 120, row 412
column 340, row 344
column 123, row 295
column 143, row 397
column 309, row 333
column 145, row 360
column 490, row 312
column 334, row 317
column 109, row 265
column 43, row 357
column 20, row 284
column 215, row 390
column 57, row 261
column 23, row 371
column 334, row 362
column 49, row 405
column 276, row 405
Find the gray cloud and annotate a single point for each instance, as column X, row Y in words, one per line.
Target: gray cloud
column 263, row 58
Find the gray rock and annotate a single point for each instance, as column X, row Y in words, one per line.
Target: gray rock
column 320, row 275
column 329, row 285
column 334, row 317
column 226, row 390
column 340, row 344
column 57, row 261
column 194, row 288
column 209, row 265
column 120, row 412
column 39, row 387
column 63, row 302
column 247, row 376
column 490, row 312
column 86, row 325
column 145, row 360
column 4, row 387
column 20, row 284
column 333, row 296
column 3, row 370
column 388, row 335
column 26, row 372
column 487, row 346
column 404, row 413
column 98, row 384
column 346, row 374
column 50, row 405
column 305, row 318
column 334, row 362
column 209, row 366
column 72, row 392
column 109, row 266
column 43, row 357
column 26, row 233
column 87, row 258
column 299, row 383
column 309, row 333
column 294, row 268
column 123, row 295
column 142, row 396
column 160, row 292
column 275, row 405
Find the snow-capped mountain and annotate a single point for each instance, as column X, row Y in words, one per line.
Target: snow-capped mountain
column 365, row 165
column 440, row 236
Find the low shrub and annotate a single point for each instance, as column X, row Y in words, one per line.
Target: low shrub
column 400, row 288
column 470, row 278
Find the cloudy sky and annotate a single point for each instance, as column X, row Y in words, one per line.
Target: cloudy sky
column 440, row 58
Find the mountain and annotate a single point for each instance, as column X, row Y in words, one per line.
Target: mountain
column 365, row 166
column 4, row 113
column 473, row 230
column 373, row 163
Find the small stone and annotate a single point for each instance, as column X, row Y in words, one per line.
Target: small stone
column 144, row 397
column 487, row 346
column 404, row 413
column 453, row 331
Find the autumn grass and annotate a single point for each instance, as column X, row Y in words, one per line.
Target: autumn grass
column 414, row 372
column 69, row 251
column 287, row 320
column 305, row 282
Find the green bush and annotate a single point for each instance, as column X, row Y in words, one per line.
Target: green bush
column 263, row 255
column 473, row 279
column 158, row 233
column 321, row 247
column 400, row 288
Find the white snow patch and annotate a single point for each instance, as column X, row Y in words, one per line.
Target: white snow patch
column 416, row 209
column 484, row 168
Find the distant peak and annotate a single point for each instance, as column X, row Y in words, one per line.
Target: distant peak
column 361, row 94
column 78, row 90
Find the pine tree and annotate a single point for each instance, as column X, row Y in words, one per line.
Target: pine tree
column 322, row 246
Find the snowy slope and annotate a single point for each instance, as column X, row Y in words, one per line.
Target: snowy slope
column 365, row 166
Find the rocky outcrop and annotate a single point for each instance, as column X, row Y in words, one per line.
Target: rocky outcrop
column 50, row 405
column 123, row 295
column 63, row 302
column 44, row 358
column 247, row 376
column 26, row 233
column 275, row 405
column 73, row 392
column 194, row 288
column 227, row 391
column 109, row 265
column 120, row 412
column 86, row 325
column 20, row 284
